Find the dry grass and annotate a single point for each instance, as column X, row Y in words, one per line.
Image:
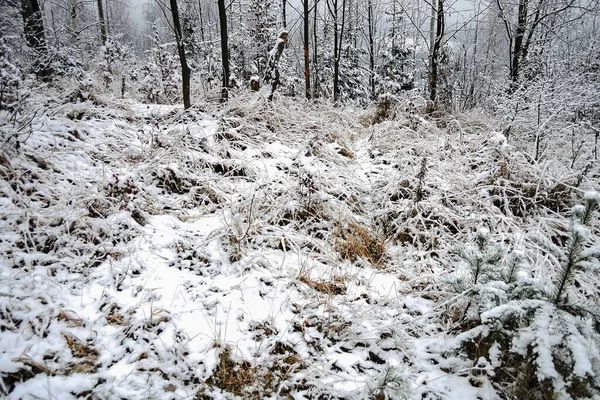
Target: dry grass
column 71, row 318
column 254, row 381
column 78, row 349
column 337, row 286
column 232, row 377
column 355, row 241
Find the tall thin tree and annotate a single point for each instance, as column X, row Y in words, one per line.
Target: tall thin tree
column 224, row 49
column 436, row 46
column 185, row 69
column 371, row 27
column 283, row 13
column 338, row 35
column 101, row 22
column 306, row 43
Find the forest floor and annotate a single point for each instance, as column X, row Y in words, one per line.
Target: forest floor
column 254, row 250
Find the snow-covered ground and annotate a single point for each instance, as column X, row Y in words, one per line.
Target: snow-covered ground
column 259, row 250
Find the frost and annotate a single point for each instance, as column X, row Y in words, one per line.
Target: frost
column 154, row 252
column 592, row 195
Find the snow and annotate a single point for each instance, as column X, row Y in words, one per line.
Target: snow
column 134, row 258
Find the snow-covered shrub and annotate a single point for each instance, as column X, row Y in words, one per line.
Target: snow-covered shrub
column 519, row 187
column 160, row 75
column 541, row 342
column 396, row 68
column 386, row 109
column 10, row 78
column 482, row 258
column 111, row 55
column 64, row 61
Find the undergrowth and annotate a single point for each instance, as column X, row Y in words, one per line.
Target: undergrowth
column 283, row 249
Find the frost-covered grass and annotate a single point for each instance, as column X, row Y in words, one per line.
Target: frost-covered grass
column 284, row 249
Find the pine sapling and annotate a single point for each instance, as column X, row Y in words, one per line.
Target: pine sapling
column 482, row 257
column 579, row 251
column 513, row 265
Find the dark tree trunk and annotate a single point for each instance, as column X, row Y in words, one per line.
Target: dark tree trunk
column 518, row 42
column 101, row 22
column 107, row 18
column 371, row 48
column 34, row 34
column 306, row 45
column 315, row 48
column 336, row 64
column 224, row 49
column 185, row 69
column 284, row 6
column 34, row 25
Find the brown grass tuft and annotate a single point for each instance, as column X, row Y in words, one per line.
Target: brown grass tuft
column 232, row 377
column 355, row 241
column 337, row 286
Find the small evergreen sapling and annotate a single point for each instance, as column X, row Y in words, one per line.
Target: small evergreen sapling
column 545, row 341
column 393, row 383
column 482, row 258
column 484, row 277
column 578, row 256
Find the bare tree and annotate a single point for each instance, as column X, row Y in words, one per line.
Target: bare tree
column 283, row 13
column 101, row 22
column 437, row 17
column 339, row 21
column 371, row 28
column 531, row 15
column 224, row 49
column 185, row 69
column 305, row 19
column 315, row 90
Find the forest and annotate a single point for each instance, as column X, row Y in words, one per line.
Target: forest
column 300, row 199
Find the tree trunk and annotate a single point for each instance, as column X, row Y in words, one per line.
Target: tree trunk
column 33, row 24
column 107, row 18
column 101, row 22
column 336, row 62
column 435, row 52
column 315, row 48
column 306, row 45
column 338, row 32
column 518, row 43
column 371, row 48
column 272, row 74
column 185, row 69
column 224, row 49
column 73, row 17
column 283, row 7
column 201, row 20
column 34, row 35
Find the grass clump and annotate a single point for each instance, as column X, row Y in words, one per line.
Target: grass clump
column 357, row 242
